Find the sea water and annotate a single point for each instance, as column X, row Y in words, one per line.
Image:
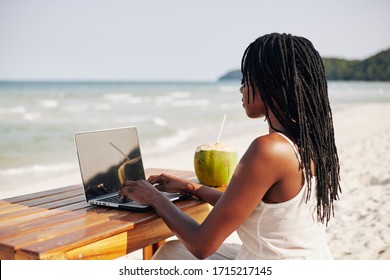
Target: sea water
column 38, row 119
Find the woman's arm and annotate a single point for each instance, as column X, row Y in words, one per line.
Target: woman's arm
column 256, row 172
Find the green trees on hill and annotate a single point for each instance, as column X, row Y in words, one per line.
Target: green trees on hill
column 375, row 68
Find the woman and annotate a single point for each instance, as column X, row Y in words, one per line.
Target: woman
column 281, row 194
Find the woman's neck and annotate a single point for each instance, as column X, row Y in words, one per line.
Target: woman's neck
column 276, row 126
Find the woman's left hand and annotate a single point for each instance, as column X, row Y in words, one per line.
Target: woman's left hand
column 140, row 191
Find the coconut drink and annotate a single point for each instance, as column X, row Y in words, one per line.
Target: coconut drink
column 215, row 164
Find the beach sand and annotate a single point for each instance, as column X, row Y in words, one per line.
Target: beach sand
column 361, row 226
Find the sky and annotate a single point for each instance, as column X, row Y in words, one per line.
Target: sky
column 175, row 40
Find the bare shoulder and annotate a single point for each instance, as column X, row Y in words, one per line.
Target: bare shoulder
column 270, row 146
column 272, row 153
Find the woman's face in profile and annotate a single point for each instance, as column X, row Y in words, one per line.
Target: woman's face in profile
column 252, row 103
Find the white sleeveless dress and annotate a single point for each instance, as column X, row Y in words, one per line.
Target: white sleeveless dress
column 287, row 230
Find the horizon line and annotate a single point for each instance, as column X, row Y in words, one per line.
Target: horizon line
column 108, row 81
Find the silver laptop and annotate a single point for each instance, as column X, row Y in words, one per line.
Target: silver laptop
column 107, row 158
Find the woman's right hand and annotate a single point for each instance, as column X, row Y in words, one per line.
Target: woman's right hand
column 172, row 184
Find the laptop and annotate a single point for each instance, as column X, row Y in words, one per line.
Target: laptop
column 107, row 158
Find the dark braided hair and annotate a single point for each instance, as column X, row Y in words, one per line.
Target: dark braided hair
column 290, row 77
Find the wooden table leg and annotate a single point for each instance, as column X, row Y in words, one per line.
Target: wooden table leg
column 149, row 251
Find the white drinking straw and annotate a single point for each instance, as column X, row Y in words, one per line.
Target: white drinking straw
column 222, row 125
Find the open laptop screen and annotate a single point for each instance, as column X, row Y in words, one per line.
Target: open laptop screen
column 107, row 158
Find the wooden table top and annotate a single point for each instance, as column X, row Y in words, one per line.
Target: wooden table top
column 60, row 224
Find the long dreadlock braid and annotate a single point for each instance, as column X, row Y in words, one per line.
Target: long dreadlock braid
column 290, row 77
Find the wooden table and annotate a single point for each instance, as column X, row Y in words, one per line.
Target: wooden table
column 59, row 224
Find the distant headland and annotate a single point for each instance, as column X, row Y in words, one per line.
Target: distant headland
column 374, row 68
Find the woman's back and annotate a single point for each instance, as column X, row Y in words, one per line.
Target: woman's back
column 285, row 230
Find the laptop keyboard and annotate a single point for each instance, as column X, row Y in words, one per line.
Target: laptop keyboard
column 115, row 199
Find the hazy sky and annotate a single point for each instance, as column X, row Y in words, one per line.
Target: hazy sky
column 173, row 39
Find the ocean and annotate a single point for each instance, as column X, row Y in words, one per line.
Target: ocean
column 38, row 119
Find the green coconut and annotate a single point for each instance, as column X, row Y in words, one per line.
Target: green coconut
column 215, row 164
